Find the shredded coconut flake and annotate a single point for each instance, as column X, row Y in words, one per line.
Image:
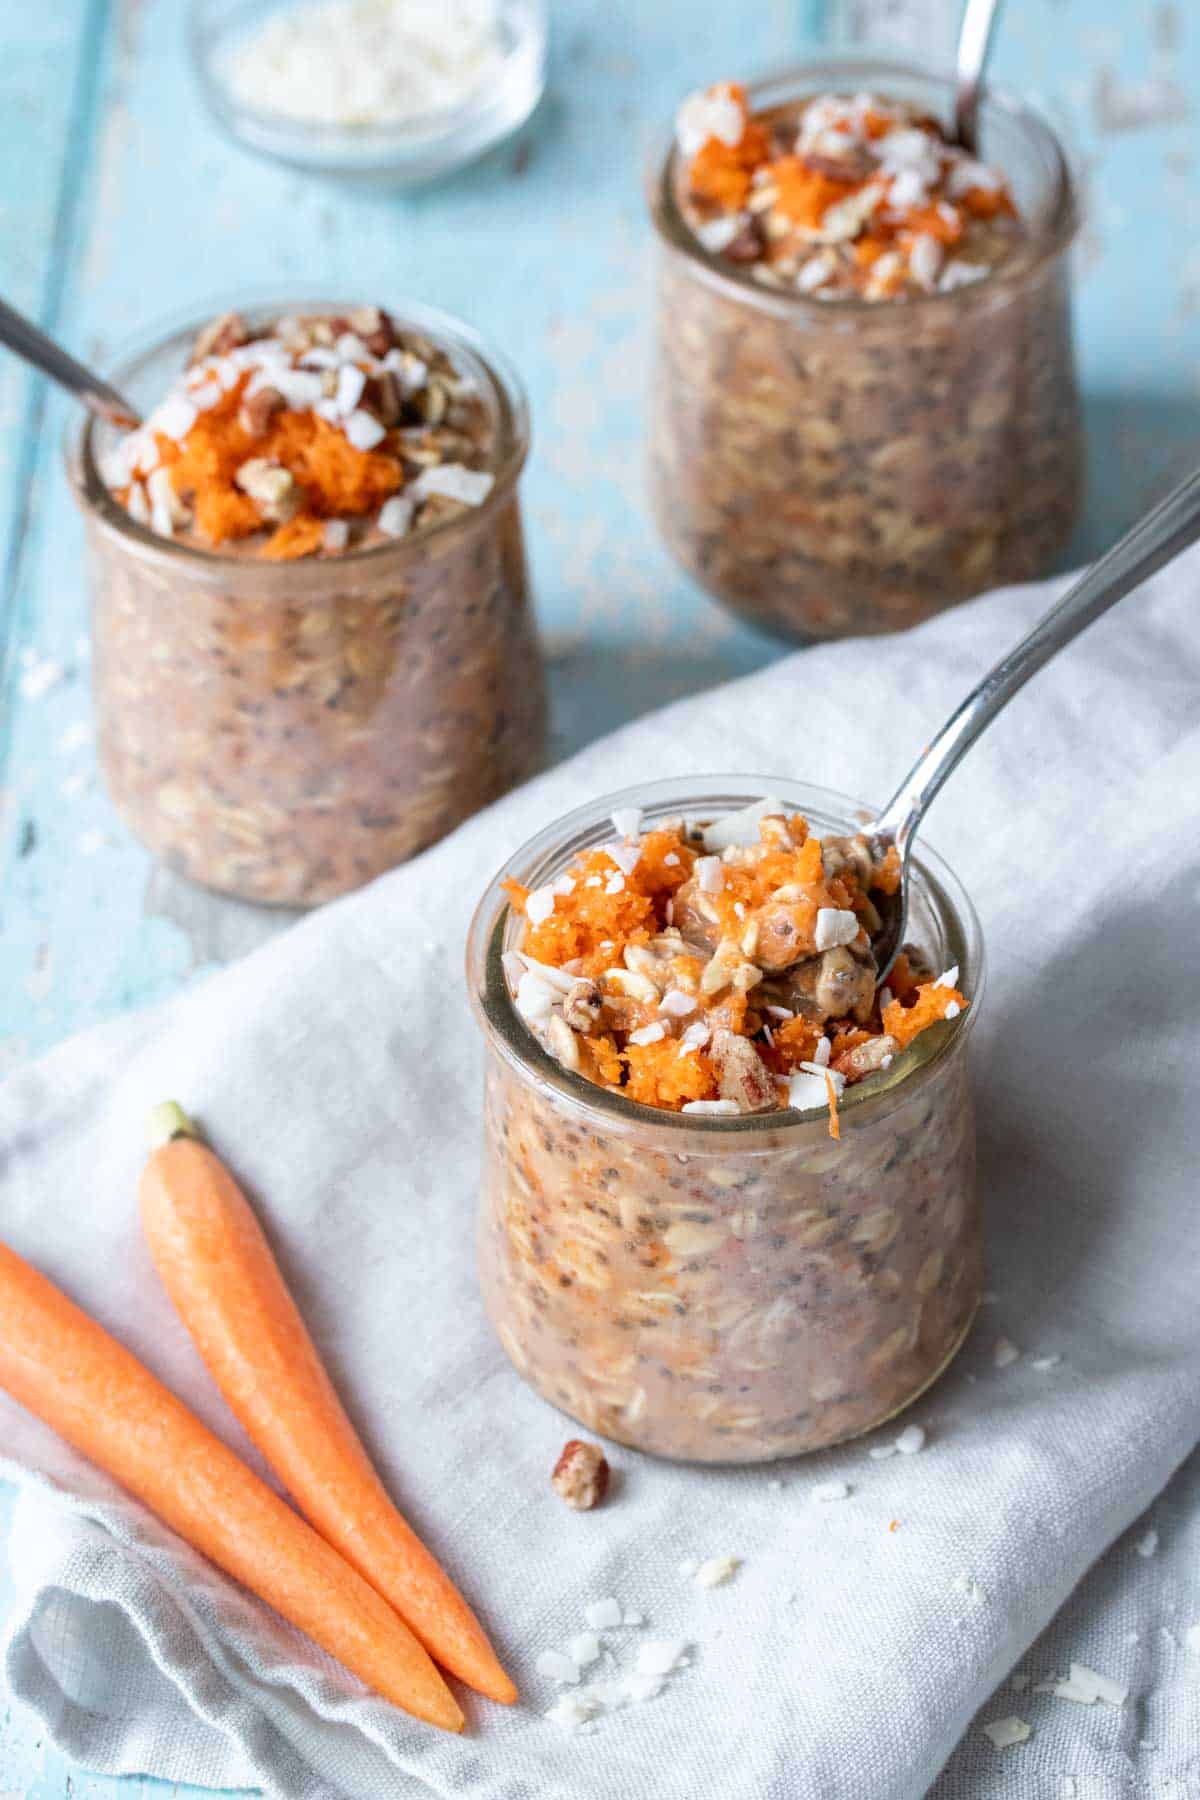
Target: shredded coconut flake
column 573, row 1710
column 708, row 113
column 660, row 1656
column 1004, row 1733
column 366, row 62
column 454, row 482
column 40, row 676
column 740, row 827
column 709, row 874
column 835, row 926
column 602, row 1615
column 718, row 1108
column 717, row 1570
column 627, row 821
column 539, row 905
column 911, row 1439
column 626, row 856
column 1005, row 1353
column 558, row 1667
column 584, row 1649
column 1147, row 1545
column 827, row 1491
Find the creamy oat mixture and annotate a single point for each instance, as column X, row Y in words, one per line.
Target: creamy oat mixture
column 312, row 436
column 844, row 197
column 721, row 969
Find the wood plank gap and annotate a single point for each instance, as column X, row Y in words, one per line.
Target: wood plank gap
column 76, row 169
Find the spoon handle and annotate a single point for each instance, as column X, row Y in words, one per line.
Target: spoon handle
column 1155, row 540
column 21, row 335
column 974, row 39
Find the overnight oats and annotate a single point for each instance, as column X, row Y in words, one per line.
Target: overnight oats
column 313, row 646
column 728, row 1205
column 864, row 405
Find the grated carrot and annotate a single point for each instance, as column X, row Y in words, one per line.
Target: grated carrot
column 904, row 1023
column 835, row 1124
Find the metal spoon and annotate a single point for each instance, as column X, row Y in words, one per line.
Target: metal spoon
column 1155, row 540
column 974, row 40
column 21, row 335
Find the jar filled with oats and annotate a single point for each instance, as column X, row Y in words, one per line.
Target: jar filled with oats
column 864, row 406
column 313, row 648
column 728, row 1208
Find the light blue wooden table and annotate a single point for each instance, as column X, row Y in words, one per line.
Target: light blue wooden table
column 119, row 204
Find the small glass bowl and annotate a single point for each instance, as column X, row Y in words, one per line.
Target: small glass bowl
column 405, row 154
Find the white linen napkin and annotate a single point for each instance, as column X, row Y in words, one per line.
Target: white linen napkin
column 338, row 1071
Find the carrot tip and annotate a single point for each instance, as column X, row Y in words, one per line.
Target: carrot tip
column 168, row 1121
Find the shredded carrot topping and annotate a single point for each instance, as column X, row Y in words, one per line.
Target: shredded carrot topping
column 850, row 195
column 718, row 979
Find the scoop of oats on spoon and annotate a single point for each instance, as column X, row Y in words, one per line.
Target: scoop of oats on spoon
column 1153, row 542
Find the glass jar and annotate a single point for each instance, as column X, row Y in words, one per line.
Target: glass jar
column 843, row 467
column 727, row 1289
column 286, row 731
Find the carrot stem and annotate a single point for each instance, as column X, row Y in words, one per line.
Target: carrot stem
column 168, row 1121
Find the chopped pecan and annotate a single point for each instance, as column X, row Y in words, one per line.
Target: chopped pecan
column 384, row 397
column 866, row 1058
column 374, row 327
column 581, row 1475
column 839, row 854
column 779, row 941
column 856, row 165
column 741, row 1074
column 274, row 489
column 845, row 986
column 581, row 1008
column 218, row 337
column 749, row 243
column 728, row 968
column 259, row 409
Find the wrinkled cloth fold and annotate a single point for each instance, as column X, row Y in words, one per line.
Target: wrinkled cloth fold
column 338, row 1070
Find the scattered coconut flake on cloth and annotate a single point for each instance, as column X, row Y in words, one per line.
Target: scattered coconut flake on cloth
column 365, row 62
column 1085, row 1686
column 1004, row 1733
column 717, row 1571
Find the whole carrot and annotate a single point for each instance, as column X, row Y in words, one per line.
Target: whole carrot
column 218, row 1268
column 66, row 1368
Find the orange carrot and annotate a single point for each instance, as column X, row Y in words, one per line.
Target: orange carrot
column 66, row 1368
column 226, row 1286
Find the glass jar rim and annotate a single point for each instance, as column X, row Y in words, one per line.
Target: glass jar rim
column 776, row 87
column 506, row 394
column 545, row 854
